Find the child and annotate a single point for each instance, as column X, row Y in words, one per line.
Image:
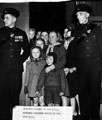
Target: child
column 33, row 69
column 41, row 43
column 54, row 85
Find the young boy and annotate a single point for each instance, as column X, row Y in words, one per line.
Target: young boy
column 53, row 82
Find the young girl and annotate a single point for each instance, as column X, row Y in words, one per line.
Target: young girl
column 53, row 82
column 41, row 43
column 33, row 69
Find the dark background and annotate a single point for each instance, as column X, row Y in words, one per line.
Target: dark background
column 48, row 15
column 57, row 15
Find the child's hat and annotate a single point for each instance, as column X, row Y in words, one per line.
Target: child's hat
column 54, row 55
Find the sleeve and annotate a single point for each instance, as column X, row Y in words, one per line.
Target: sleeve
column 100, row 40
column 41, row 79
column 25, row 47
column 61, row 56
column 4, row 36
column 70, row 55
column 26, row 75
column 64, row 83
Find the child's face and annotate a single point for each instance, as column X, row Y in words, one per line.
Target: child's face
column 49, row 60
column 40, row 44
column 35, row 53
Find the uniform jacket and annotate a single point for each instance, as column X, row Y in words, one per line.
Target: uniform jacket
column 88, row 39
column 14, row 49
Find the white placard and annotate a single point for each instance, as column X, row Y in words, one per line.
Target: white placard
column 42, row 113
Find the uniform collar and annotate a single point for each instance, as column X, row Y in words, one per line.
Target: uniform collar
column 11, row 29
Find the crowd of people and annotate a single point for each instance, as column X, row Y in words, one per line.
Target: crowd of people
column 54, row 50
column 61, row 69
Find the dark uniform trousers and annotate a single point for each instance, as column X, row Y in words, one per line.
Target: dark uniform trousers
column 89, row 68
column 9, row 92
column 11, row 68
column 89, row 89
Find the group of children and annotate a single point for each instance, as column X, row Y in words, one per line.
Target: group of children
column 46, row 79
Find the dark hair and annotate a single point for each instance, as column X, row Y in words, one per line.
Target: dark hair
column 40, row 39
column 31, row 57
column 54, row 55
column 54, row 31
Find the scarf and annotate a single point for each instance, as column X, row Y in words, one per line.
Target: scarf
column 51, row 47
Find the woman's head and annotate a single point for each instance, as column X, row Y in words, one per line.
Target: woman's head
column 45, row 36
column 38, row 35
column 53, row 37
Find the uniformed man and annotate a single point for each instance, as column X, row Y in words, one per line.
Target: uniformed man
column 88, row 53
column 14, row 50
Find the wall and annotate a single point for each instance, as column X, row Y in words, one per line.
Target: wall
column 23, row 20
column 69, row 9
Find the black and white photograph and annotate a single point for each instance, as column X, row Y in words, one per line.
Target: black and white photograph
column 51, row 60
